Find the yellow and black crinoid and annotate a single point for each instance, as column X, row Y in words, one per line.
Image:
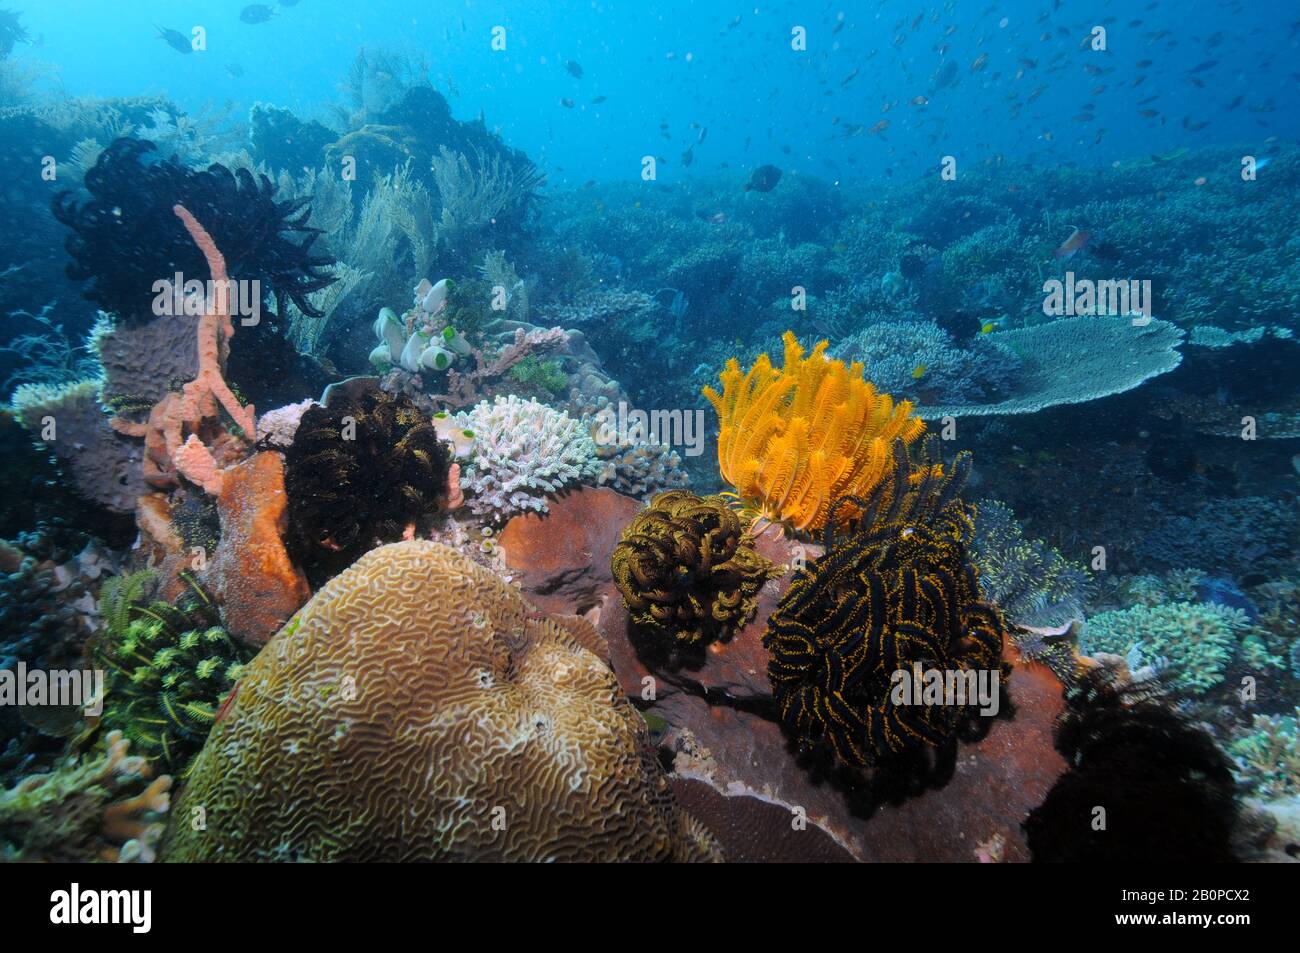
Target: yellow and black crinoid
column 897, row 590
column 686, row 566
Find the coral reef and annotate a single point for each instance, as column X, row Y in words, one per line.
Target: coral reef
column 96, row 808
column 1196, row 641
column 897, row 590
column 686, row 566
column 523, row 452
column 461, row 726
column 793, row 441
column 363, row 470
column 170, row 666
column 1268, row 755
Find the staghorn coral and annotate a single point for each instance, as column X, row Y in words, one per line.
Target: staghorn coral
column 98, row 807
column 419, row 709
column 1268, row 755
column 1073, row 360
column 686, row 566
column 365, row 469
column 796, row 439
column 170, row 666
column 896, row 591
column 1196, row 640
column 523, row 451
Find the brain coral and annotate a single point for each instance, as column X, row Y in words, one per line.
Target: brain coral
column 419, row 709
column 687, row 566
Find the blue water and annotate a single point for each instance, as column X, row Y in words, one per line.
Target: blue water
column 684, row 63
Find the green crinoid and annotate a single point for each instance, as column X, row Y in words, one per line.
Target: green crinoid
column 170, row 665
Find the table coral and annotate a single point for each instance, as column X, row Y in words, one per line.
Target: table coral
column 794, row 440
column 419, row 709
column 685, row 565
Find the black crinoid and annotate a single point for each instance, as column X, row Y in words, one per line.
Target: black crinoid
column 126, row 237
column 1164, row 789
column 360, row 472
column 894, row 596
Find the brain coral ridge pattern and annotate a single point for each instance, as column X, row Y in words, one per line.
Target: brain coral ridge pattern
column 413, row 702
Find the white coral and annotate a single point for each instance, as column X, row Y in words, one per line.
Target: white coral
column 524, row 450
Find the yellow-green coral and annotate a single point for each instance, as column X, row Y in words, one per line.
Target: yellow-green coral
column 685, row 565
column 1197, row 640
column 1268, row 757
column 102, row 806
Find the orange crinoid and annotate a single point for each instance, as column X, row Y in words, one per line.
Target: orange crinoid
column 794, row 440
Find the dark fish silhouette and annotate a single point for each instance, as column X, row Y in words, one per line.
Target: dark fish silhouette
column 763, row 179
column 175, row 39
column 574, row 68
column 256, row 13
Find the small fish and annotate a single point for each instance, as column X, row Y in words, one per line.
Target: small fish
column 878, row 127
column 713, row 218
column 1202, row 67
column 175, row 39
column 256, row 13
column 688, row 156
column 980, row 62
column 919, row 371
column 763, row 179
column 1078, row 238
column 918, row 101
column 234, row 70
column 598, row 100
column 988, row 327
column 574, row 68
column 566, row 102
column 853, row 74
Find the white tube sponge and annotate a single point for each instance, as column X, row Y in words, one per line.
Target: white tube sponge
column 524, row 450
